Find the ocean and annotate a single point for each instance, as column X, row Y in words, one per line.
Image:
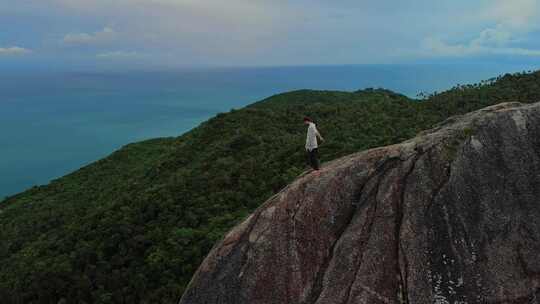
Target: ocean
column 52, row 123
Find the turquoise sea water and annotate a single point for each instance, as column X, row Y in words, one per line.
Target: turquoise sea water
column 54, row 123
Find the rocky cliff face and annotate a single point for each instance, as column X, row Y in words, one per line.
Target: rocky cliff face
column 451, row 216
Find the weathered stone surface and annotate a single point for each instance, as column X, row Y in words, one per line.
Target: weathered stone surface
column 451, row 216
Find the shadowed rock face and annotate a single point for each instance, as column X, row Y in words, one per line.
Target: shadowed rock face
column 451, row 216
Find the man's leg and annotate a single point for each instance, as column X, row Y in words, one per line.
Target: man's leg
column 315, row 159
column 308, row 157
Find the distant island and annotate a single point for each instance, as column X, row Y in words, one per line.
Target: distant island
column 134, row 226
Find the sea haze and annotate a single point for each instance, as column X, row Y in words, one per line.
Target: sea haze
column 54, row 123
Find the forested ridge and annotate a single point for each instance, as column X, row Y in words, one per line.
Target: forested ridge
column 134, row 226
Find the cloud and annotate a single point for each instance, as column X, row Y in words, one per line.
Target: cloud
column 488, row 43
column 493, row 37
column 508, row 27
column 247, row 32
column 117, row 54
column 515, row 14
column 103, row 36
column 196, row 32
column 14, row 50
column 274, row 32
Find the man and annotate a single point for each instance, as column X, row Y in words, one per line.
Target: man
column 311, row 144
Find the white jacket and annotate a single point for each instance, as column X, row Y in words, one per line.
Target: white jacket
column 311, row 139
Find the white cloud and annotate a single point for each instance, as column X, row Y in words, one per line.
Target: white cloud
column 275, row 32
column 479, row 46
column 193, row 32
column 117, row 54
column 493, row 37
column 507, row 25
column 437, row 47
column 14, row 50
column 103, row 36
column 515, row 14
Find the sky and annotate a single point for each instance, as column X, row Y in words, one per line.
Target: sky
column 113, row 34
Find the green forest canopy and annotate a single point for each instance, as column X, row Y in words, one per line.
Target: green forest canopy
column 134, row 226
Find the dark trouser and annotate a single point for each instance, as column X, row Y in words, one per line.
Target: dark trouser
column 313, row 158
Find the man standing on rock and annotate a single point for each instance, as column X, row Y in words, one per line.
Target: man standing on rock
column 311, row 144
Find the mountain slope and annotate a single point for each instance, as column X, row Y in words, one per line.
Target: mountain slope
column 450, row 216
column 136, row 225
